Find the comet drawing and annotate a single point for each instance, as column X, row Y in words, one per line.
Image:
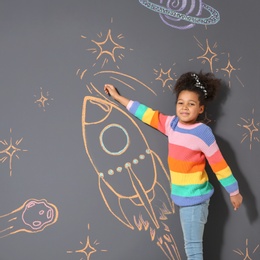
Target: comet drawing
column 128, row 170
column 32, row 217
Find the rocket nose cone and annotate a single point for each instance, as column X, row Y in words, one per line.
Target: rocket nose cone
column 95, row 110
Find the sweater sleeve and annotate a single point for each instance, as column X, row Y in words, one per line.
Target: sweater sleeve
column 149, row 116
column 218, row 164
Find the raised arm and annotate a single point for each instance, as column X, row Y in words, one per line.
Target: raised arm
column 112, row 91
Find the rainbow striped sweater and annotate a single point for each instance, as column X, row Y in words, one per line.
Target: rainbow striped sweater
column 189, row 146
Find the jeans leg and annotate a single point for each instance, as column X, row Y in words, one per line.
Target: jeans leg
column 193, row 220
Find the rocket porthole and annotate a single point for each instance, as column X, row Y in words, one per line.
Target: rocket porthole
column 125, row 134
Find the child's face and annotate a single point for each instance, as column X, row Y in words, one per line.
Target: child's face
column 188, row 107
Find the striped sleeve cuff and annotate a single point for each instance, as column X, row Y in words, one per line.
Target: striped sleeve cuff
column 234, row 193
column 130, row 103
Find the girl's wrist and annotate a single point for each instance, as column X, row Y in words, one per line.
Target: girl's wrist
column 234, row 193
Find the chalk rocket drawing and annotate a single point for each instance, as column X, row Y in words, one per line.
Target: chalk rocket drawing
column 32, row 217
column 183, row 14
column 122, row 179
column 130, row 174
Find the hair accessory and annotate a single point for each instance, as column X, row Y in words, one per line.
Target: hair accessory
column 199, row 85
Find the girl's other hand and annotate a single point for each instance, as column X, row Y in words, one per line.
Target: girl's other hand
column 236, row 200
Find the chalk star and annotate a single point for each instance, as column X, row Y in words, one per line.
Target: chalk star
column 88, row 250
column 164, row 76
column 229, row 68
column 10, row 151
column 108, row 43
column 209, row 55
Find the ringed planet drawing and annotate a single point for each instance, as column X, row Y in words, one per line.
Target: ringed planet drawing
column 188, row 13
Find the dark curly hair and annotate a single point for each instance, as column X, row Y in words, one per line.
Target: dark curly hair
column 209, row 82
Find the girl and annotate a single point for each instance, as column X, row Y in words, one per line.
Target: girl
column 190, row 143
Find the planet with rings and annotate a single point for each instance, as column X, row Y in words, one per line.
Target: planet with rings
column 183, row 14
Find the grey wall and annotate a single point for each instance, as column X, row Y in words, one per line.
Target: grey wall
column 55, row 58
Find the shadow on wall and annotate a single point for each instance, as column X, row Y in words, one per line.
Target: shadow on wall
column 216, row 221
column 249, row 200
column 219, row 210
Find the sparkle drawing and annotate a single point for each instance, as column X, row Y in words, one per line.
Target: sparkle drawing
column 89, row 248
column 210, row 57
column 106, row 48
column 121, row 181
column 251, row 129
column 229, row 69
column 10, row 150
column 32, row 217
column 43, row 100
column 103, row 46
column 246, row 255
column 206, row 118
column 165, row 77
column 183, row 14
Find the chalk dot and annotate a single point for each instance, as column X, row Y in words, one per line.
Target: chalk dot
column 119, row 169
column 141, row 156
column 110, row 172
column 135, row 161
column 148, row 151
column 127, row 165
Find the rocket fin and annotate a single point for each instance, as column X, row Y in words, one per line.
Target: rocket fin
column 142, row 195
column 163, row 177
column 109, row 198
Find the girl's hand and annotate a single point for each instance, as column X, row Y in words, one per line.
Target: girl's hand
column 111, row 90
column 236, row 200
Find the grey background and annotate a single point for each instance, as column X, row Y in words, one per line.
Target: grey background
column 42, row 49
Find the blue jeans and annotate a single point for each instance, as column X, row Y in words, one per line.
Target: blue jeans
column 193, row 220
